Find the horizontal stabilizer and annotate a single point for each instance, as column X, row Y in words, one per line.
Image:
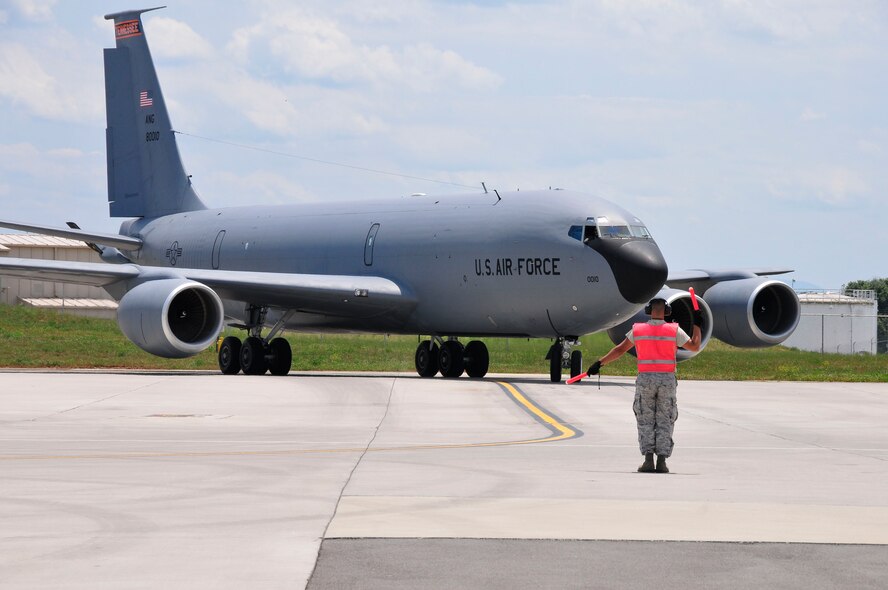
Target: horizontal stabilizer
column 95, row 274
column 114, row 240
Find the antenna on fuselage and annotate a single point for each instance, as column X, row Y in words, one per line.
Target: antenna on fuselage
column 498, row 198
column 484, row 186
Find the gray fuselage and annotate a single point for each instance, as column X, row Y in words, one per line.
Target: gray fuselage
column 475, row 264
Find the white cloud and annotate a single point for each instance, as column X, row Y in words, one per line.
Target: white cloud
column 869, row 147
column 26, row 158
column 24, row 81
column 788, row 20
column 34, row 10
column 425, row 68
column 317, row 48
column 830, row 186
column 171, row 38
column 65, row 152
column 262, row 186
column 51, row 80
column 810, row 114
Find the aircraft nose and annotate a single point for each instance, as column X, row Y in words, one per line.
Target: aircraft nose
column 638, row 266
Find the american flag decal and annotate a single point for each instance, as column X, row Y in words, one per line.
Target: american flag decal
column 145, row 100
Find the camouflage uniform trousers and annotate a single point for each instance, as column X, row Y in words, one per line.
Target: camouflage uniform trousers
column 656, row 411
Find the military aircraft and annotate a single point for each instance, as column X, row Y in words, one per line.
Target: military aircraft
column 551, row 264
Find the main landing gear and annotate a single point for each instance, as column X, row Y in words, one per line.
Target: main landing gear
column 256, row 355
column 561, row 356
column 451, row 358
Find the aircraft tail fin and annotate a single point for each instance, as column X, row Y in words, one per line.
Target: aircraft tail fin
column 145, row 173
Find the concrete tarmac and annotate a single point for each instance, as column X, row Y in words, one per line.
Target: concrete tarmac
column 141, row 480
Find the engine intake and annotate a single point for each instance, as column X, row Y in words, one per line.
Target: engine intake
column 682, row 314
column 171, row 318
column 754, row 312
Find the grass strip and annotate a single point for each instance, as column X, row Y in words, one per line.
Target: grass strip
column 34, row 338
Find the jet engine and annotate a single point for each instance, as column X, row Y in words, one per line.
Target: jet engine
column 682, row 314
column 754, row 312
column 172, row 318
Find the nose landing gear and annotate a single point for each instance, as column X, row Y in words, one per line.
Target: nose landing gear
column 560, row 356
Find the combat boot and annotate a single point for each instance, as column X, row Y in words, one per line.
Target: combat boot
column 661, row 464
column 648, row 465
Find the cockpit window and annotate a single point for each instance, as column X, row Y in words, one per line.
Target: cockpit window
column 610, row 229
column 618, row 229
column 576, row 232
column 615, row 231
column 640, row 231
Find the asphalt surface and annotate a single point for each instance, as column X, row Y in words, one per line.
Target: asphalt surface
column 142, row 480
column 505, row 564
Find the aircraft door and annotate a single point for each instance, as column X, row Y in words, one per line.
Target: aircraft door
column 368, row 245
column 217, row 248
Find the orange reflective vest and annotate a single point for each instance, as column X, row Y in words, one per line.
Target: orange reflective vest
column 655, row 347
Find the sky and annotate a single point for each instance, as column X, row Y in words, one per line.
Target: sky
column 745, row 133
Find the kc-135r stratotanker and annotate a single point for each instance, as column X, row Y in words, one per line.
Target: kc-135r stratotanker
column 550, row 264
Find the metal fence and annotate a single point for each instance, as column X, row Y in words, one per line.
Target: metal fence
column 843, row 333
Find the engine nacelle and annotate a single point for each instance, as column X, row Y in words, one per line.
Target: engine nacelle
column 754, row 312
column 682, row 314
column 172, row 318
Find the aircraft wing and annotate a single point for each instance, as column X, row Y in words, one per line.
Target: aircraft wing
column 114, row 240
column 324, row 294
column 699, row 278
column 344, row 295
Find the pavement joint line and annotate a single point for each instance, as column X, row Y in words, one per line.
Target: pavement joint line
column 351, row 474
column 813, row 445
column 560, row 431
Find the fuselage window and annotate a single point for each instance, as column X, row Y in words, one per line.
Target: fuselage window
column 590, row 233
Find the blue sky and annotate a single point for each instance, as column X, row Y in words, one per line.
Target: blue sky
column 745, row 133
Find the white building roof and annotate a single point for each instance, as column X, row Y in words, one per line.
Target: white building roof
column 833, row 299
column 70, row 303
column 38, row 241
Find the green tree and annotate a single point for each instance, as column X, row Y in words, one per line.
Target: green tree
column 880, row 286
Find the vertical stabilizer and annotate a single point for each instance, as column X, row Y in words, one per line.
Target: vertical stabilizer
column 145, row 173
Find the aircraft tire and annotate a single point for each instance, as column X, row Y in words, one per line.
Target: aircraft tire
column 281, row 357
column 576, row 363
column 555, row 363
column 252, row 356
column 426, row 359
column 477, row 359
column 451, row 359
column 229, row 355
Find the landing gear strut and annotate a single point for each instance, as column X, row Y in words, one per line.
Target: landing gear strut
column 257, row 355
column 451, row 358
column 561, row 356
